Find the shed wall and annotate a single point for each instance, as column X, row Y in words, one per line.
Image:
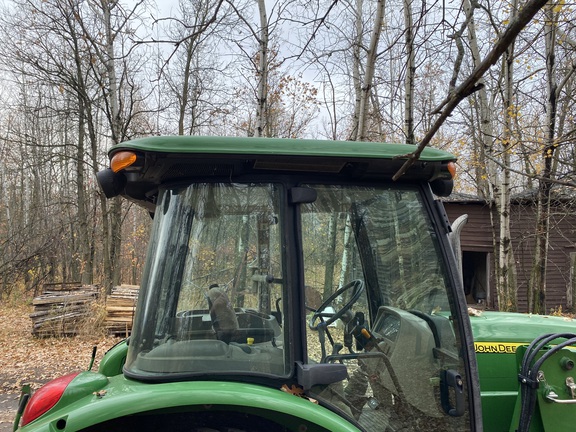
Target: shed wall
column 477, row 237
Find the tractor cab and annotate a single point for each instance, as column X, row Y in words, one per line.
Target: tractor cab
column 290, row 285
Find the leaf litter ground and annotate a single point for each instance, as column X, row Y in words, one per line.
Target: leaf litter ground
column 25, row 358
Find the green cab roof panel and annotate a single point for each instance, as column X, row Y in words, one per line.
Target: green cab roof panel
column 277, row 146
column 165, row 160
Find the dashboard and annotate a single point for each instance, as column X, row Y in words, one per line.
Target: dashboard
column 388, row 326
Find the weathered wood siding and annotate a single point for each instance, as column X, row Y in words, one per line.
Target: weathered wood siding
column 477, row 237
column 562, row 244
column 477, row 233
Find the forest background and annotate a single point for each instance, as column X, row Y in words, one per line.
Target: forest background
column 82, row 75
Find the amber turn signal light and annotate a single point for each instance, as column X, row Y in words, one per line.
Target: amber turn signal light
column 122, row 160
column 452, row 169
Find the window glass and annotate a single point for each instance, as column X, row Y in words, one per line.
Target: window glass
column 373, row 262
column 211, row 296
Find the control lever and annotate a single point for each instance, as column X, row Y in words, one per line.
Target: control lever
column 350, row 322
column 364, row 338
column 337, row 348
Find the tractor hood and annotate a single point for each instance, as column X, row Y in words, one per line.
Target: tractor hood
column 497, row 336
column 514, row 329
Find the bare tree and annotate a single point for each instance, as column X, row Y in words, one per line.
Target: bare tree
column 410, row 74
column 70, row 46
column 537, row 285
column 505, row 267
column 364, row 83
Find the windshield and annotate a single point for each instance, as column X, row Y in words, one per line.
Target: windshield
column 358, row 316
column 211, row 294
column 377, row 296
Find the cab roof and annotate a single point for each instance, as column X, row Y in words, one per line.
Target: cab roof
column 164, row 160
column 278, row 146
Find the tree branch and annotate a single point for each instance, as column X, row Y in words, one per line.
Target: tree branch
column 470, row 85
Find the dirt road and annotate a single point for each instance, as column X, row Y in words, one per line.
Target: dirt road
column 8, row 405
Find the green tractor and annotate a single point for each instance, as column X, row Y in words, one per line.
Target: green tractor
column 292, row 285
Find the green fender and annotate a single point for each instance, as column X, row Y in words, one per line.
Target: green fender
column 123, row 397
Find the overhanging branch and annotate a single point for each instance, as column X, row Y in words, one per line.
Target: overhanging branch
column 470, row 85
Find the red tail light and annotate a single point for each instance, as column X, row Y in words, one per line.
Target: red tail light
column 46, row 397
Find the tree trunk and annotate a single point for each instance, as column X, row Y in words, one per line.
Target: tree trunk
column 370, row 68
column 506, row 283
column 494, row 183
column 486, row 166
column 410, row 73
column 262, row 89
column 537, row 285
column 330, row 257
column 184, row 96
column 356, row 77
column 86, row 263
column 346, row 252
column 83, row 232
column 117, row 136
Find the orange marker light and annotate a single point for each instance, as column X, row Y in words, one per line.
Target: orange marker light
column 452, row 169
column 122, row 160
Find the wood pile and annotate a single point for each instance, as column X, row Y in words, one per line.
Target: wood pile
column 66, row 309
column 61, row 309
column 120, row 307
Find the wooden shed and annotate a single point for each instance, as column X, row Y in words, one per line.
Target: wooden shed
column 477, row 246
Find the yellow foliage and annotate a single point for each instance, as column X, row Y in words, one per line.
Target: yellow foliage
column 556, row 311
column 558, row 7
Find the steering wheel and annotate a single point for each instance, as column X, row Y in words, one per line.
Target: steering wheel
column 358, row 287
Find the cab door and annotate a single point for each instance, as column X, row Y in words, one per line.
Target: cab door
column 382, row 299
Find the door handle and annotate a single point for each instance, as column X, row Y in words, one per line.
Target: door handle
column 452, row 389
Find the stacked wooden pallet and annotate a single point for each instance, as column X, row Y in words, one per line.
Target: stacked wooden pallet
column 67, row 309
column 120, row 307
column 62, row 308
